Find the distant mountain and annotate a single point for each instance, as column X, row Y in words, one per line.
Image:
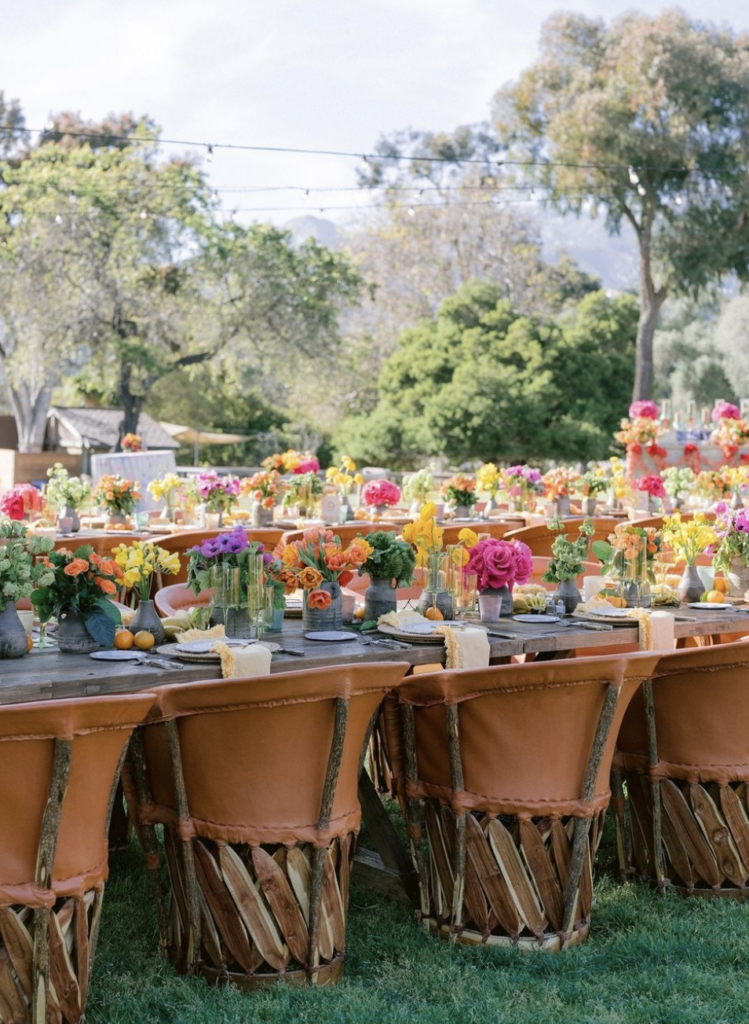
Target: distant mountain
column 611, row 258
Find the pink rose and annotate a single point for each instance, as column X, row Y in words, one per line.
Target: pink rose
column 725, row 411
column 494, row 562
column 523, row 561
column 643, row 410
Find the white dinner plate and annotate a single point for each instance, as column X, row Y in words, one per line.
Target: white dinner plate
column 205, row 646
column 609, row 613
column 541, row 619
column 118, row 655
column 330, row 635
column 706, row 606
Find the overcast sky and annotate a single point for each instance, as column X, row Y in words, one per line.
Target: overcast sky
column 306, row 73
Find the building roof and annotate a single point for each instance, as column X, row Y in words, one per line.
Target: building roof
column 97, row 428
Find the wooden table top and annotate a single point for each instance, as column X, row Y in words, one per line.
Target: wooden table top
column 48, row 674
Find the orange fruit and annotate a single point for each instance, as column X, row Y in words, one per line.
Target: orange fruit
column 29, row 644
column 123, row 639
column 715, row 597
column 721, row 583
column 359, row 613
column 144, row 640
column 434, row 614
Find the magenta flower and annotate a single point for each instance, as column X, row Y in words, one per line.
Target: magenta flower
column 523, row 561
column 380, row 492
column 653, row 485
column 725, row 411
column 310, row 465
column 643, row 410
column 495, row 563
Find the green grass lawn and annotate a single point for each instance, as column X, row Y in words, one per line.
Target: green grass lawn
column 651, row 959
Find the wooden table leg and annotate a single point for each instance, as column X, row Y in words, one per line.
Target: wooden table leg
column 391, row 873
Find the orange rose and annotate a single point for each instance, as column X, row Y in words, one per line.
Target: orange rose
column 76, row 567
column 106, row 585
column 107, row 566
column 319, row 599
column 310, row 578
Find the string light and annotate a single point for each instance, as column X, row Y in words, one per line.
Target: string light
column 641, row 191
column 678, row 200
column 411, row 211
column 209, row 154
column 633, row 176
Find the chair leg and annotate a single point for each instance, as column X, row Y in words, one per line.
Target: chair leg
column 137, row 761
column 186, row 852
column 618, row 810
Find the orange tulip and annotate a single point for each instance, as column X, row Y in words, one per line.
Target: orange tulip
column 319, row 599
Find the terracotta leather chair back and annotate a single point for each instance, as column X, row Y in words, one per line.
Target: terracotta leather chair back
column 98, row 729
column 525, row 731
column 540, row 538
column 701, row 701
column 255, row 752
column 494, row 528
column 346, row 531
column 175, row 598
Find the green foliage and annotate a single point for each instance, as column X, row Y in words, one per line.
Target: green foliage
column 63, row 489
column 567, row 555
column 481, row 381
column 392, row 559
column 20, row 570
column 58, row 592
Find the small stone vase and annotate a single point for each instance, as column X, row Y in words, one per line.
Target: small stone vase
column 495, row 602
column 568, row 594
column 116, row 519
column 213, row 520
column 488, row 508
column 261, row 516
column 13, row 640
column 461, row 512
column 314, row 619
column 691, row 587
column 380, row 598
column 738, row 578
column 72, row 635
column 590, row 506
column 146, row 617
column 563, row 506
column 68, row 512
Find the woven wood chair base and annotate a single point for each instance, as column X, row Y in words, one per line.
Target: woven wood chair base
column 255, row 912
column 705, row 836
column 378, row 762
column 516, row 875
column 73, row 924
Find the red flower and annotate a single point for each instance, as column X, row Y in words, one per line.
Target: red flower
column 690, row 449
column 319, row 599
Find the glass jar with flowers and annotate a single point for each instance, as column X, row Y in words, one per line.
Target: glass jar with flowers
column 559, row 486
column 426, row 538
column 283, row 582
column 522, row 484
column 380, row 495
column 731, row 431
column 732, row 553
column 566, row 563
column 168, row 488
column 678, row 481
column 117, row 497
column 390, row 565
column 489, row 482
column 652, row 491
column 416, row 488
column 498, row 565
column 66, row 494
column 303, row 493
column 264, row 489
column 460, row 494
column 79, row 595
column 22, row 501
column 345, row 478
column 231, row 567
column 22, row 569
column 628, row 558
column 321, row 566
column 219, row 494
column 140, row 563
column 592, row 484
column 713, row 485
column 688, row 539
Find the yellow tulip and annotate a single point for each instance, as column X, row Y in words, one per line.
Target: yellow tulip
column 468, row 537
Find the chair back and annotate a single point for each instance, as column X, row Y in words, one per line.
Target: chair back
column 177, row 597
column 60, row 758
column 346, row 532
column 254, row 752
column 540, row 538
column 494, row 528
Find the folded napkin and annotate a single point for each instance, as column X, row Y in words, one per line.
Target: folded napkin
column 465, row 648
column 202, row 634
column 656, row 629
column 236, row 662
column 401, row 620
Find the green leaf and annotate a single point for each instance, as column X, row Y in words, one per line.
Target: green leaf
column 100, row 626
column 603, row 551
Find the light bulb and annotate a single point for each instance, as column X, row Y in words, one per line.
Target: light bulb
column 678, row 200
column 209, row 154
column 411, row 211
column 633, row 175
column 641, row 190
column 143, row 214
column 58, row 219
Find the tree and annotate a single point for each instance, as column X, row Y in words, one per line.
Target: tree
column 648, row 120
column 480, row 380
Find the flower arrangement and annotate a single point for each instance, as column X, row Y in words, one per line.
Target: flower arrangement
column 641, row 428
column 319, row 558
column 167, row 488
column 84, row 582
column 714, row 484
column 725, row 411
column 424, row 534
column 280, row 578
column 489, row 479
column 652, row 485
column 593, row 482
column 64, row 489
column 140, row 561
column 731, row 432
column 230, row 549
column 380, row 492
column 302, row 489
column 418, row 486
column 690, row 538
column 561, row 482
column 618, row 478
column 630, row 552
column 262, row 487
column 460, row 490
column 643, row 410
column 732, row 531
column 22, row 564
column 292, row 461
column 568, row 556
column 21, row 501
column 677, row 480
column 132, row 443
column 117, row 495
column 389, row 559
column 218, row 493
column 344, row 475
column 499, row 563
column 528, row 474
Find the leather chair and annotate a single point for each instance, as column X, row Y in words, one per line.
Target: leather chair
column 256, row 783
column 540, row 538
column 175, row 598
column 494, row 528
column 346, row 531
column 59, row 766
column 503, row 774
column 683, row 751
